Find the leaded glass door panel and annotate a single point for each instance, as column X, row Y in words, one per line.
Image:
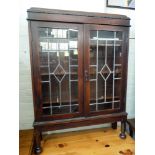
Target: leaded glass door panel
column 60, row 68
column 104, row 68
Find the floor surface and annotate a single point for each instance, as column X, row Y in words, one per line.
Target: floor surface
column 103, row 141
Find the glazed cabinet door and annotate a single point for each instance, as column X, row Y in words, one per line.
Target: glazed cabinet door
column 104, row 52
column 58, row 62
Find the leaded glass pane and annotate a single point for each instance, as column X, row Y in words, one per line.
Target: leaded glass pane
column 105, row 69
column 59, row 70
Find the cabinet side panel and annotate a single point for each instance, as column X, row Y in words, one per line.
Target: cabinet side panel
column 31, row 55
column 125, row 69
column 33, row 69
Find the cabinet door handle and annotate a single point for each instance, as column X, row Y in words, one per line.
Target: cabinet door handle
column 86, row 75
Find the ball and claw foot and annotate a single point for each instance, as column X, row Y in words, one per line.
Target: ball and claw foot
column 122, row 135
column 37, row 150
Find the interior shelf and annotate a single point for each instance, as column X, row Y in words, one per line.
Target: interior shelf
column 47, row 101
column 59, row 74
column 64, row 101
column 57, row 50
column 107, row 98
column 53, row 39
column 104, row 45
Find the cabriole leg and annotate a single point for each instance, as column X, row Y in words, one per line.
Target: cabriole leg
column 37, row 142
column 123, row 129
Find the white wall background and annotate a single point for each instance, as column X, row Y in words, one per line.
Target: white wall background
column 25, row 90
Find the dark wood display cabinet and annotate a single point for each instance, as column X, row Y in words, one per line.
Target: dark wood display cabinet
column 79, row 69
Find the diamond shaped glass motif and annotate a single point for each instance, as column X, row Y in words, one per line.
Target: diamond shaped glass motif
column 59, row 73
column 105, row 72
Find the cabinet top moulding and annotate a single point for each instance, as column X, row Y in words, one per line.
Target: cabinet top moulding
column 41, row 14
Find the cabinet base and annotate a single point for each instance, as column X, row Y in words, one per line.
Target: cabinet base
column 41, row 126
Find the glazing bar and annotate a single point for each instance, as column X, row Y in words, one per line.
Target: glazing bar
column 44, row 81
column 73, row 65
column 59, row 106
column 70, row 97
column 105, row 83
column 113, row 93
column 97, row 75
column 73, row 80
column 118, row 64
column 60, row 92
column 59, row 65
column 117, row 78
column 49, row 77
column 104, row 102
column 93, row 80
